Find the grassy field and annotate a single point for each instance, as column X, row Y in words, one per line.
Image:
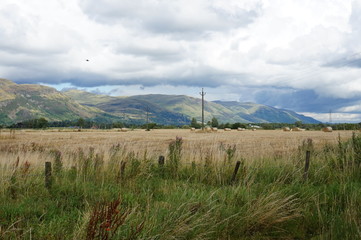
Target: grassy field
column 109, row 185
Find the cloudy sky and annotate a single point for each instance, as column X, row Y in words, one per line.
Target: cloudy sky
column 302, row 55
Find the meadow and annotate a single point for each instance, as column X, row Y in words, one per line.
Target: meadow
column 111, row 185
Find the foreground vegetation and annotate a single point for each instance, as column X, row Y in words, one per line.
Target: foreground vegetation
column 117, row 192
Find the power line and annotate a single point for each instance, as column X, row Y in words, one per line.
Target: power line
column 317, row 70
column 147, row 109
column 202, row 94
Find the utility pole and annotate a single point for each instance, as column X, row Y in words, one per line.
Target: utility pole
column 147, row 119
column 202, row 94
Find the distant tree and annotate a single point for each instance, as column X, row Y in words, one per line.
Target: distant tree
column 268, row 126
column 41, row 123
column 194, row 123
column 32, row 123
column 80, row 123
column 238, row 125
column 214, row 122
column 299, row 124
column 118, row 125
column 227, row 125
column 149, row 126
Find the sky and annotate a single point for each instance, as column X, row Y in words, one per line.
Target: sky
column 301, row 55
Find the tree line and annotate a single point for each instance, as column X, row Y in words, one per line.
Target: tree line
column 42, row 123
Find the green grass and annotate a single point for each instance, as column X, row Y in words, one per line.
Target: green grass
column 269, row 200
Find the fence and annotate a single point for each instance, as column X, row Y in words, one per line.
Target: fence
column 48, row 180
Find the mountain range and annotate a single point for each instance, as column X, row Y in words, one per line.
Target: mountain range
column 20, row 102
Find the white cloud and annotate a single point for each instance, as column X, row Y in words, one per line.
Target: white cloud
column 241, row 47
column 168, row 17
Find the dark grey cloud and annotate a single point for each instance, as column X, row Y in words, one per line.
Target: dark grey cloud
column 156, row 54
column 200, row 76
column 353, row 61
column 82, row 79
column 302, row 100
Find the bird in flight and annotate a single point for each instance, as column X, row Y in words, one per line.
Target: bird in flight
column 87, row 60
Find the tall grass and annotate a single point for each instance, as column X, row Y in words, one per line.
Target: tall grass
column 116, row 192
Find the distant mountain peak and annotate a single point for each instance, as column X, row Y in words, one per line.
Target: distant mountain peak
column 4, row 82
column 19, row 102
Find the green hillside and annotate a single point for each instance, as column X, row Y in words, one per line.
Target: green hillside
column 259, row 113
column 19, row 102
column 86, row 98
column 130, row 109
column 178, row 109
column 192, row 107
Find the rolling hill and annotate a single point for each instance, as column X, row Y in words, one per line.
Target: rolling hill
column 258, row 113
column 180, row 109
column 20, row 102
column 130, row 109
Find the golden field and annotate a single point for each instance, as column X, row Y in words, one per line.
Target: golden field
column 249, row 145
column 195, row 194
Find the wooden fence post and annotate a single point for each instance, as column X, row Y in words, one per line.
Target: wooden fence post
column 122, row 170
column 238, row 163
column 48, row 179
column 161, row 161
column 307, row 165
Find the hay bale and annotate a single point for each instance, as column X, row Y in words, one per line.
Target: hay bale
column 193, row 129
column 241, row 129
column 214, row 129
column 297, row 129
column 208, row 129
column 286, row 129
column 327, row 129
column 227, row 129
column 124, row 129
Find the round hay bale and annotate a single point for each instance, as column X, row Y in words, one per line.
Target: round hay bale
column 286, row 129
column 327, row 129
